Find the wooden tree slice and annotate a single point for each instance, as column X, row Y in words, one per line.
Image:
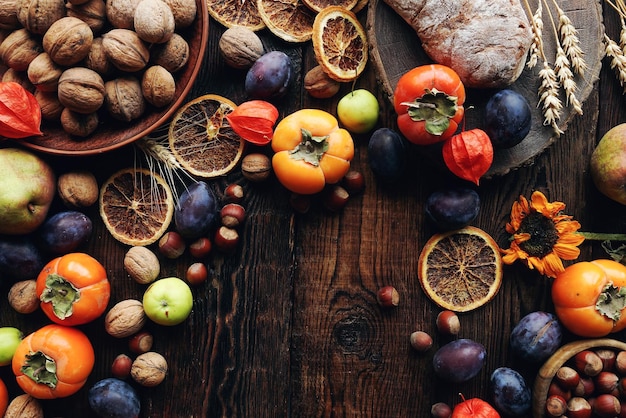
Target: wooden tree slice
column 395, row 48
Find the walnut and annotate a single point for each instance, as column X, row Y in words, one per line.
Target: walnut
column 149, row 369
column 38, row 15
column 158, row 86
column 68, row 40
column 78, row 189
column 142, row 265
column 79, row 124
column 97, row 59
column 184, row 12
column 93, row 13
column 172, row 55
column 44, row 73
column 125, row 49
column 49, row 104
column 319, row 85
column 154, row 21
column 125, row 318
column 124, row 99
column 240, row 47
column 24, row 406
column 81, row 90
column 19, row 48
column 121, row 13
column 8, row 14
column 19, row 77
column 23, row 296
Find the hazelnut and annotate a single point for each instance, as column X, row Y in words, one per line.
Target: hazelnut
column 79, row 124
column 335, row 198
column 19, row 48
column 448, row 323
column 121, row 366
column 233, row 193
column 125, row 318
column 607, row 382
column 184, row 12
column 197, row 273
column 440, row 410
column 23, row 296
column 172, row 55
column 142, row 265
column 232, row 215
column 149, row 369
column 567, row 378
column 172, row 245
column 226, row 239
column 81, row 90
column 158, row 86
column 421, row 341
column 556, row 406
column 78, row 189
column 588, row 363
column 154, row 21
column 354, row 182
column 606, row 406
column 125, row 49
column 578, row 407
column 388, row 297
column 301, row 203
column 124, row 99
column 319, row 85
column 141, row 342
column 68, row 40
column 240, row 47
column 38, row 15
column 256, row 167
column 24, row 406
column 44, row 73
column 608, row 358
column 201, row 247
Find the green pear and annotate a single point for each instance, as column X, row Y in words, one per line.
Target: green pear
column 27, row 188
column 608, row 164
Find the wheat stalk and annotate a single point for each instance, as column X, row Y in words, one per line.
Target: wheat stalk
column 536, row 47
column 570, row 42
column 566, row 78
column 618, row 60
column 549, row 97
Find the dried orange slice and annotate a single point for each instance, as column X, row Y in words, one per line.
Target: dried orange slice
column 201, row 138
column 460, row 270
column 236, row 13
column 319, row 5
column 340, row 43
column 136, row 206
column 290, row 20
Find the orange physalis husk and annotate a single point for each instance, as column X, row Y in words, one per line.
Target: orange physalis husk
column 254, row 121
column 474, row 408
column 468, row 154
column 20, row 114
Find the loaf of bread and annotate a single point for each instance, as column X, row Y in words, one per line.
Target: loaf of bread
column 484, row 41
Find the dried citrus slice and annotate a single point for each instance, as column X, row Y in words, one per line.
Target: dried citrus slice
column 340, row 43
column 236, row 13
column 290, row 20
column 319, row 5
column 201, row 138
column 136, row 206
column 460, row 270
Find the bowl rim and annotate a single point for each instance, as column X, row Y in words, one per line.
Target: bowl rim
column 202, row 13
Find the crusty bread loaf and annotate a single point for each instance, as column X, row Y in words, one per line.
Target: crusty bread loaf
column 484, row 41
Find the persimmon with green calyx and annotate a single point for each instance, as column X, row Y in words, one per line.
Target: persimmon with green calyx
column 590, row 297
column 73, row 289
column 53, row 362
column 311, row 150
column 429, row 103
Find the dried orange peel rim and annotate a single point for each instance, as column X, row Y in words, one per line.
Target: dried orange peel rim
column 297, row 20
column 493, row 284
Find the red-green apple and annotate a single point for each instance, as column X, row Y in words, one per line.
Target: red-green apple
column 10, row 338
column 358, row 111
column 608, row 164
column 27, row 188
column 168, row 301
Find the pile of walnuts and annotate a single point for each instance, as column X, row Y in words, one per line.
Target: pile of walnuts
column 86, row 55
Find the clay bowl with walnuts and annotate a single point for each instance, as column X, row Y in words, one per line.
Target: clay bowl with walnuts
column 111, row 133
column 562, row 357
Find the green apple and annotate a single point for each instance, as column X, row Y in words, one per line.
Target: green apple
column 168, row 301
column 358, row 111
column 10, row 338
column 608, row 164
column 27, row 188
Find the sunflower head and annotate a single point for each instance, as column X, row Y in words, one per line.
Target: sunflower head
column 541, row 235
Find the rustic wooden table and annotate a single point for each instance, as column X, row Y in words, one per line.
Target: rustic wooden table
column 289, row 326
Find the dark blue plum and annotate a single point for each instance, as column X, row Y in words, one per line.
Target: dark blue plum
column 459, row 360
column 452, row 209
column 536, row 336
column 508, row 118
column 114, row 398
column 196, row 211
column 511, row 394
column 20, row 259
column 387, row 154
column 64, row 232
column 269, row 77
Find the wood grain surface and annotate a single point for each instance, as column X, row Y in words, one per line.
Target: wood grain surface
column 289, row 326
